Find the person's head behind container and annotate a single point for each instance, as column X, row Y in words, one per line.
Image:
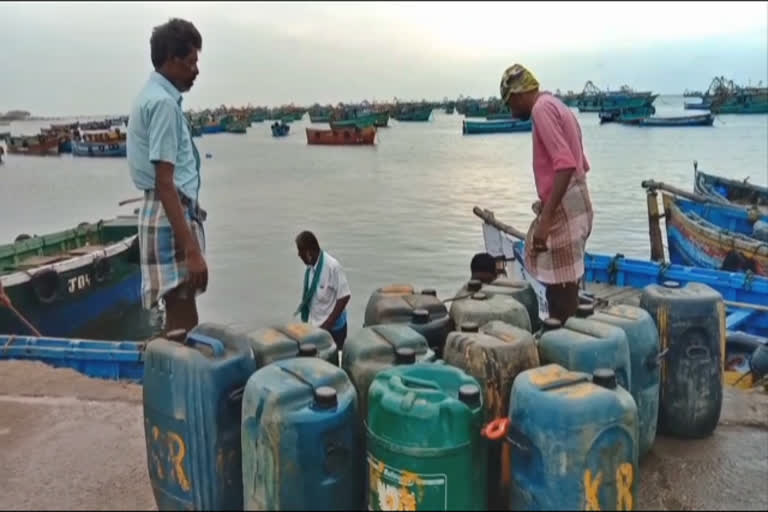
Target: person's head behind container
column 483, row 267
column 175, row 45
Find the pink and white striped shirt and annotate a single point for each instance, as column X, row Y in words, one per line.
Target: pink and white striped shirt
column 557, row 144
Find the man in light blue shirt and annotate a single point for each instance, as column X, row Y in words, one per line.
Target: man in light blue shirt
column 165, row 165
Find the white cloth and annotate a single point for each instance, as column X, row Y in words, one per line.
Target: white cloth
column 332, row 287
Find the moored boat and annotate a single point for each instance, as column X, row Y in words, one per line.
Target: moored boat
column 510, row 126
column 724, row 190
column 699, row 120
column 342, row 136
column 101, row 359
column 280, row 129
column 65, row 282
column 694, row 238
column 38, row 145
column 359, row 121
column 99, row 149
column 411, row 115
column 237, row 126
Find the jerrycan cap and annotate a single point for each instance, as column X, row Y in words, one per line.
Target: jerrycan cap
column 470, row 327
column 474, row 285
column 469, row 394
column 429, row 291
column 585, row 310
column 307, row 350
column 479, row 296
column 671, row 284
column 604, row 377
column 420, row 316
column 325, row 397
column 405, row 355
column 550, row 324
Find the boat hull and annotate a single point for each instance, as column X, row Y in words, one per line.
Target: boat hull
column 416, row 116
column 482, row 127
column 102, row 359
column 727, row 191
column 83, row 294
column 693, row 241
column 280, row 130
column 684, row 121
column 99, row 149
column 341, row 137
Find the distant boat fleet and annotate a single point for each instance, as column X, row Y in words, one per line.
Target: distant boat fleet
column 93, row 139
column 357, row 124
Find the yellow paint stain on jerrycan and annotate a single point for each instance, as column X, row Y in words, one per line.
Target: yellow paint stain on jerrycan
column 192, row 395
column 291, row 340
column 573, row 439
column 691, row 324
column 423, row 440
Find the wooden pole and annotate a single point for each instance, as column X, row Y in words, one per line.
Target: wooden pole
column 658, row 185
column 654, row 229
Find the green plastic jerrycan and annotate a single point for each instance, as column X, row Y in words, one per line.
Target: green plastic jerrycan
column 424, row 444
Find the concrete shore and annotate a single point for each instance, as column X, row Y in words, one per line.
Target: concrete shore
column 70, row 442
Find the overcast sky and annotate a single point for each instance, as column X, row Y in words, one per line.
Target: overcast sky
column 90, row 58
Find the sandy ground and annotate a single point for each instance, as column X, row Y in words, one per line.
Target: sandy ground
column 70, row 442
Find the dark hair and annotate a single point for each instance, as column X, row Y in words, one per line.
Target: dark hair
column 483, row 262
column 306, row 240
column 176, row 38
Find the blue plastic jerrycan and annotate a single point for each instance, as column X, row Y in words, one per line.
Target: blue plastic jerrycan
column 301, row 438
column 192, row 396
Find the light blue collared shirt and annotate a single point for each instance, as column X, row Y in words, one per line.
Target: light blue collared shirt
column 159, row 131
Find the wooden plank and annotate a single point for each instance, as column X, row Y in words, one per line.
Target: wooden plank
column 37, row 261
column 88, row 249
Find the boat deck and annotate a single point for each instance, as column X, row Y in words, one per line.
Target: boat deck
column 612, row 294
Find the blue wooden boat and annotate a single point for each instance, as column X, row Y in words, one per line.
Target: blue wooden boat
column 611, row 279
column 280, row 129
column 99, row 149
column 626, row 115
column 698, row 120
column 694, row 239
column 511, row 126
column 112, row 360
column 728, row 191
column 702, row 105
column 413, row 114
column 66, row 282
column 500, row 116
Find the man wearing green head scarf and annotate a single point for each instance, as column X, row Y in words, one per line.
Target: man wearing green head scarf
column 556, row 240
column 325, row 293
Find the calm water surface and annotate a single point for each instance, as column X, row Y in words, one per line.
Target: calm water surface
column 397, row 212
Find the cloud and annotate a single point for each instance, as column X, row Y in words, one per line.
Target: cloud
column 91, row 58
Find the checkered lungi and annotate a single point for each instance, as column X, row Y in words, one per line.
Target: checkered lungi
column 162, row 262
column 563, row 262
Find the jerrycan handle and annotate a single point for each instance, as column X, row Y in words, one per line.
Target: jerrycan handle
column 413, row 382
column 196, row 338
column 236, row 395
column 496, row 429
column 501, row 428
